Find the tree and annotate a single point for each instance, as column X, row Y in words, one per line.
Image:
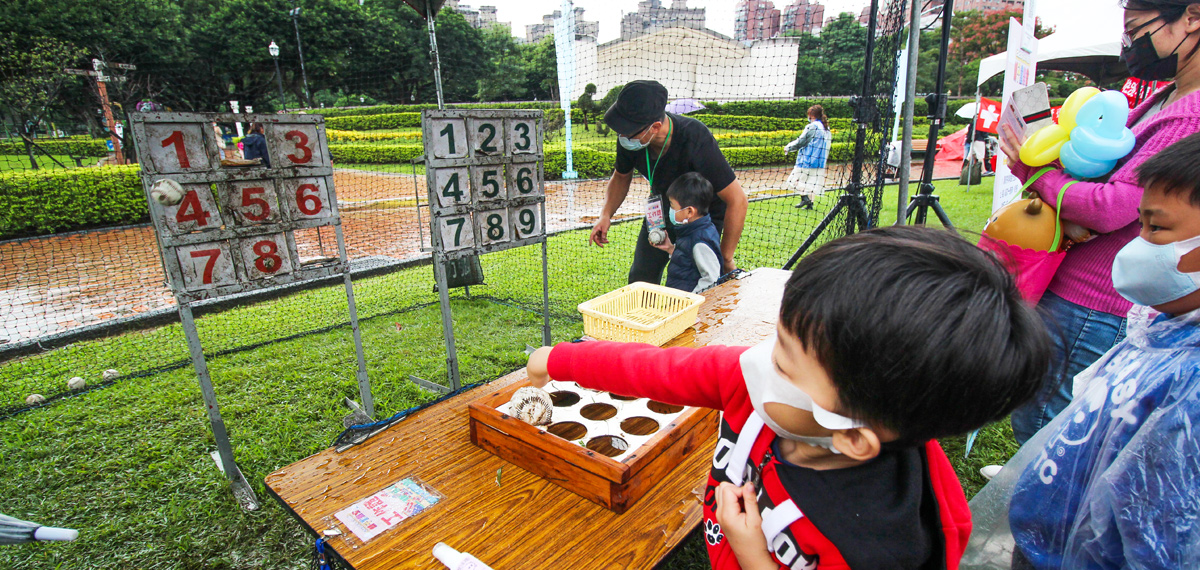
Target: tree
column 833, row 63
column 975, row 36
column 31, row 77
column 504, row 79
column 586, row 105
column 541, row 71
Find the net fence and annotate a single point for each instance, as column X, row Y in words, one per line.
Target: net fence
column 82, row 288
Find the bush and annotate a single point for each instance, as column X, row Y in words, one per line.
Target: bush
column 373, row 122
column 50, row 201
column 747, row 123
column 375, row 153
column 336, row 136
column 798, row 109
column 389, row 109
column 69, row 147
column 588, row 163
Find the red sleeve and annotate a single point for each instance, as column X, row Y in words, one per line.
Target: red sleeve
column 953, row 511
column 705, row 377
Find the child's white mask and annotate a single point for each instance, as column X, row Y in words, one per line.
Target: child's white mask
column 765, row 385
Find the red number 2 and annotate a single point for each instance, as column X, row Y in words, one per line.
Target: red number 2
column 191, row 210
column 176, row 139
column 212, row 255
column 249, row 199
column 267, row 261
column 301, row 145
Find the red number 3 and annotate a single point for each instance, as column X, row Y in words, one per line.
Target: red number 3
column 301, row 145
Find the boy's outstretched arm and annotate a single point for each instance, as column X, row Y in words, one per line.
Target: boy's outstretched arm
column 742, row 526
column 705, row 377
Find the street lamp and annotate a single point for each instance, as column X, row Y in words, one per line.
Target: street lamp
column 274, row 49
column 295, row 12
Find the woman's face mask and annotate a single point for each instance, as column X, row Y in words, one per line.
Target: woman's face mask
column 1142, row 59
column 766, row 386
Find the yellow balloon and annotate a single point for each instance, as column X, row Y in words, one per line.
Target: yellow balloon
column 1044, row 146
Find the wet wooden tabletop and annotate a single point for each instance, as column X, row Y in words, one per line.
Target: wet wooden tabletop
column 520, row 521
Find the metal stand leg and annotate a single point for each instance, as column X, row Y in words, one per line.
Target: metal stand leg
column 545, row 284
column 439, row 273
column 224, row 454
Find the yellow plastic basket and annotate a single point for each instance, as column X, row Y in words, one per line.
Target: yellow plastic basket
column 640, row 312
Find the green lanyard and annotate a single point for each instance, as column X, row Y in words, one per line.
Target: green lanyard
column 650, row 171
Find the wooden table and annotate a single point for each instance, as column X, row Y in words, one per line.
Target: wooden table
column 524, row 522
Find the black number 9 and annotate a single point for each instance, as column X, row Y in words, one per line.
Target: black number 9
column 528, row 221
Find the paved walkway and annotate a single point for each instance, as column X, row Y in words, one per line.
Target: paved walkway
column 53, row 284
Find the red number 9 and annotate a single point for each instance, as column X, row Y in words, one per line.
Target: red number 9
column 309, row 204
column 301, row 145
column 267, row 261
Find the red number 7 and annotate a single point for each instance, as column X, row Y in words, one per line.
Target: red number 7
column 212, row 255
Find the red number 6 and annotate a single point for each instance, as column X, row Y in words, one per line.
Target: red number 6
column 301, row 145
column 309, row 204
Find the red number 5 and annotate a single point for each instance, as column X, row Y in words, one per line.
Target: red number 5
column 249, row 199
column 309, row 204
column 301, row 145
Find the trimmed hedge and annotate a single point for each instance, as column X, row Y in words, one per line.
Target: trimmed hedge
column 798, row 109
column 69, row 147
column 372, row 122
column 389, row 109
column 755, row 123
column 50, row 201
column 336, row 136
column 375, row 153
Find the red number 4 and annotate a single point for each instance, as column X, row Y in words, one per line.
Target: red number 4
column 191, row 210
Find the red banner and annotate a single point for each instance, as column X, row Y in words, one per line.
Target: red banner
column 1137, row 90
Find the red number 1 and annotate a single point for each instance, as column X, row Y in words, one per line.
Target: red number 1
column 212, row 255
column 176, row 139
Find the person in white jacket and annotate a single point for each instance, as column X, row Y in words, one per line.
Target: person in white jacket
column 808, row 176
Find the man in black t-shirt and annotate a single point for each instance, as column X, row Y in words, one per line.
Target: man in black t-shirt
column 662, row 146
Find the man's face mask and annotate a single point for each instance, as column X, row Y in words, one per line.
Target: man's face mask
column 765, row 386
column 635, row 144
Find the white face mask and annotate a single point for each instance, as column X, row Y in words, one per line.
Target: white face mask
column 1148, row 274
column 765, row 385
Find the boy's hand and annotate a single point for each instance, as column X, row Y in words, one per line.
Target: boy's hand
column 737, row 513
column 538, row 367
column 666, row 245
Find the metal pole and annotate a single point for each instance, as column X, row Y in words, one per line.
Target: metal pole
column 545, row 282
column 433, row 50
column 303, row 74
column 279, row 78
column 910, row 94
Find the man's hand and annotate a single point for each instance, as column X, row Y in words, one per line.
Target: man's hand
column 538, row 368
column 729, row 266
column 666, row 245
column 737, row 513
column 600, row 232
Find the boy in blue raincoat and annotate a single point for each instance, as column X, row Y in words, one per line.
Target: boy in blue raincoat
column 1114, row 481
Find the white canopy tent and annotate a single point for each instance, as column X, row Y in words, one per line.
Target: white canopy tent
column 1100, row 61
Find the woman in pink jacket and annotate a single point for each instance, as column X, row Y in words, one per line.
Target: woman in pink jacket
column 1086, row 315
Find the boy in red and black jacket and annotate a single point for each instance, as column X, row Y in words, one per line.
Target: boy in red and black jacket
column 826, row 457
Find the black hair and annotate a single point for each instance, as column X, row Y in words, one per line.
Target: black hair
column 692, row 189
column 920, row 331
column 1174, row 170
column 1169, row 11
column 256, row 127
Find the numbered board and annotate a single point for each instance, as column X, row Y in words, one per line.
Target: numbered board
column 486, row 179
column 233, row 229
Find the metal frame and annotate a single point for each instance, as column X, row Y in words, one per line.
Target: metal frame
column 437, row 212
column 223, row 177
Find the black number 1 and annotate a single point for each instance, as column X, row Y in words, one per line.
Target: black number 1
column 449, row 132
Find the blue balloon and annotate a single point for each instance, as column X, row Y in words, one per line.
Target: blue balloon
column 1100, row 139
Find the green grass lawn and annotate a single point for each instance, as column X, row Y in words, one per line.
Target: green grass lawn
column 15, row 162
column 128, row 464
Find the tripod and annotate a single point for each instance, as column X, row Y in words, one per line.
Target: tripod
column 925, row 199
column 866, row 113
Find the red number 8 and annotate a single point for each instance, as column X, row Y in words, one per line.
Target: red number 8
column 267, row 261
column 309, row 204
column 301, row 145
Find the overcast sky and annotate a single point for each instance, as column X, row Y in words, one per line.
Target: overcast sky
column 1095, row 18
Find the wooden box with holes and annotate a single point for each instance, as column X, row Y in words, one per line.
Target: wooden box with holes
column 607, row 448
column 485, row 174
column 226, row 225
